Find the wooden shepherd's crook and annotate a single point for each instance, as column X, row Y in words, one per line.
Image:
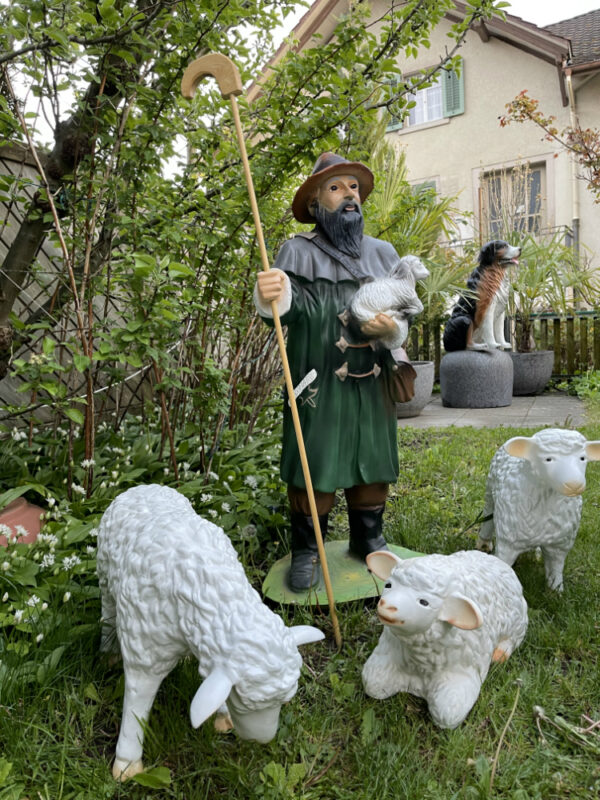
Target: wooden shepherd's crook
column 227, row 76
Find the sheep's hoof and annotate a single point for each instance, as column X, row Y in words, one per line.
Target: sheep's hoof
column 123, row 770
column 223, row 723
column 485, row 545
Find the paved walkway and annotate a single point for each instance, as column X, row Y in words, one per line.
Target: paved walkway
column 524, row 412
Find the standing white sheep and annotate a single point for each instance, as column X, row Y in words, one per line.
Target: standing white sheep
column 172, row 585
column 394, row 296
column 446, row 618
column 534, row 492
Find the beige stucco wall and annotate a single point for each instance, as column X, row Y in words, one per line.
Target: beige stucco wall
column 454, row 151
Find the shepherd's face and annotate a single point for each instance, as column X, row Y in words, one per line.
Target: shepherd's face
column 333, row 192
column 337, row 212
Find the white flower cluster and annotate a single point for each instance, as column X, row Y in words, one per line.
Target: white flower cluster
column 48, row 538
column 17, row 435
column 251, row 481
column 70, row 561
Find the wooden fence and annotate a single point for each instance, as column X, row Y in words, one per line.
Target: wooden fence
column 575, row 340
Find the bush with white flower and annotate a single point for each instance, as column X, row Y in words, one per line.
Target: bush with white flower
column 50, row 594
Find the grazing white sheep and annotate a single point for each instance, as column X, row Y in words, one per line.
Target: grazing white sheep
column 446, row 618
column 534, row 491
column 172, row 585
column 394, row 296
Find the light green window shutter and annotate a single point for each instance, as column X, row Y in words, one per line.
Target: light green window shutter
column 453, row 92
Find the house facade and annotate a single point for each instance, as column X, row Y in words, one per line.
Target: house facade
column 501, row 176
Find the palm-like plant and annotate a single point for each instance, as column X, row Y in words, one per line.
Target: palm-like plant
column 550, row 277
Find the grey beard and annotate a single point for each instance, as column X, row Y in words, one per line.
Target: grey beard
column 344, row 229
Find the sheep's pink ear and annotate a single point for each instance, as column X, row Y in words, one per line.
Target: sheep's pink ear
column 461, row 612
column 382, row 562
column 213, row 692
column 305, row 634
column 519, row 447
column 592, row 451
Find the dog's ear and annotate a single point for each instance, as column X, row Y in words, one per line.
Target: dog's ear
column 486, row 254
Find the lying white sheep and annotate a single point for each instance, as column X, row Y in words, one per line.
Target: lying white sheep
column 534, row 491
column 394, row 296
column 446, row 618
column 172, row 585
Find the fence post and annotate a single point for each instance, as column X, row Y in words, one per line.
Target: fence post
column 583, row 344
column 596, row 342
column 414, row 343
column 570, row 346
column 437, row 350
column 544, row 334
column 557, row 352
column 426, row 337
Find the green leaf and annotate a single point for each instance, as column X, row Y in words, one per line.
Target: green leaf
column 18, row 491
column 157, row 778
column 177, row 270
column 81, row 362
column 91, row 693
column 74, row 414
column 48, row 346
column 77, row 533
column 21, row 17
column 5, row 768
column 25, row 575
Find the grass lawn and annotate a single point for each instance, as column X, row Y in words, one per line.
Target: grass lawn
column 58, row 727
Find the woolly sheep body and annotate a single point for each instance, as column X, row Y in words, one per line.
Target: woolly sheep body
column 534, row 490
column 432, row 658
column 172, row 585
column 394, row 296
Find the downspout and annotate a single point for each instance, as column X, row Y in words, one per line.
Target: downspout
column 575, row 213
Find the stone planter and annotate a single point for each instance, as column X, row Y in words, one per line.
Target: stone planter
column 476, row 379
column 531, row 371
column 423, row 387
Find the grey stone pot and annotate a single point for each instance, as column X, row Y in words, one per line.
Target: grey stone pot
column 476, row 379
column 423, row 387
column 531, row 371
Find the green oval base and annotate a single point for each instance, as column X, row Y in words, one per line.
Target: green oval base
column 350, row 578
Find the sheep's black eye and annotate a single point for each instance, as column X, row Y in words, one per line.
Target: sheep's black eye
column 388, row 585
column 582, row 458
column 423, row 602
column 548, row 459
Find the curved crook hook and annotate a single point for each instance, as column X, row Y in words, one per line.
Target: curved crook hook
column 219, row 67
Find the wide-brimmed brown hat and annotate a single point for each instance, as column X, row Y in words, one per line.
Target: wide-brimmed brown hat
column 328, row 166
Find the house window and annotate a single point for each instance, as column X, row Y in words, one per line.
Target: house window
column 428, row 104
column 444, row 98
column 513, row 200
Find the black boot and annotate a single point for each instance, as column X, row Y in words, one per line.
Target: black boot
column 305, row 571
column 365, row 531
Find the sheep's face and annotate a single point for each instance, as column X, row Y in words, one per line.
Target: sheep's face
column 558, row 458
column 409, row 609
column 416, row 594
column 259, row 725
column 413, row 266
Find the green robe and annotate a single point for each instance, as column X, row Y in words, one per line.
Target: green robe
column 349, row 426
